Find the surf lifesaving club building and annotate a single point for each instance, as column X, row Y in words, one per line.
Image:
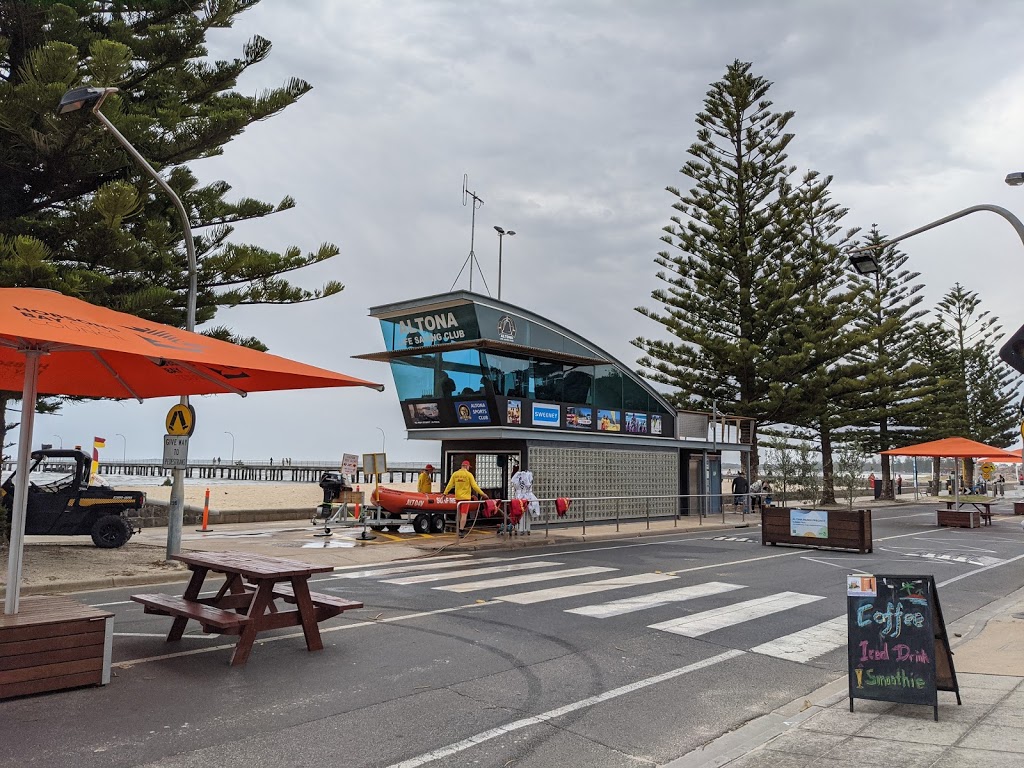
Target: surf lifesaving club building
column 498, row 385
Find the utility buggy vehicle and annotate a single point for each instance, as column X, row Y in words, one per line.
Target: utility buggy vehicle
column 70, row 506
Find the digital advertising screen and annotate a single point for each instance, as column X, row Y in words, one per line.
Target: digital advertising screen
column 545, row 415
column 473, row 412
column 577, row 417
column 655, row 424
column 514, row 413
column 609, row 421
column 424, row 414
column 636, row 423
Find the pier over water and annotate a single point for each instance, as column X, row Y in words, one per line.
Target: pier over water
column 305, row 472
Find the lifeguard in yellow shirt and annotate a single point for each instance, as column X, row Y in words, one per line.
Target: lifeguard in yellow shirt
column 425, row 484
column 465, row 486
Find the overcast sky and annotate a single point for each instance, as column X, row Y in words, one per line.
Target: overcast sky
column 571, row 118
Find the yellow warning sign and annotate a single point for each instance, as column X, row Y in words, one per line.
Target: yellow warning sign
column 181, row 421
column 988, row 469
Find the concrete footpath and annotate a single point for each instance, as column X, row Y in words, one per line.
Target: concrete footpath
column 819, row 730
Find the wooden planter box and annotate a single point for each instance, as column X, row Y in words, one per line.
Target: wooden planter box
column 1018, row 507
column 54, row 643
column 959, row 518
column 846, row 530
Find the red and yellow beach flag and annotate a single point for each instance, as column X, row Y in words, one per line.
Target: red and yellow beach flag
column 97, row 443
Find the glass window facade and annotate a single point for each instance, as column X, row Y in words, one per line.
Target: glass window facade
column 437, row 384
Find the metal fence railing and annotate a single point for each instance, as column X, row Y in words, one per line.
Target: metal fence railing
column 619, row 509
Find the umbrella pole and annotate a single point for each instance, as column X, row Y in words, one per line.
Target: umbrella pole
column 28, row 414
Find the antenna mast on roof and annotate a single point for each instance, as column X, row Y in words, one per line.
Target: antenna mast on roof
column 471, row 259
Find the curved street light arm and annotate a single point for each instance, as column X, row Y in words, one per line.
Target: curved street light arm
column 1016, row 223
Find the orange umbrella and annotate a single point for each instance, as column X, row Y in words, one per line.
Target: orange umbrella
column 96, row 352
column 1015, row 460
column 956, row 448
column 58, row 345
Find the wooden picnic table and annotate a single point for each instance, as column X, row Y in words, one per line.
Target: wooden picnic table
column 245, row 604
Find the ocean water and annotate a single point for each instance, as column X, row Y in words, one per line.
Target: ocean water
column 119, row 481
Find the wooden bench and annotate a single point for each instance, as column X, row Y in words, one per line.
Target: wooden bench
column 221, row 621
column 319, row 599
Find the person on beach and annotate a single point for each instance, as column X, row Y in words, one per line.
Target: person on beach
column 425, row 484
column 464, row 485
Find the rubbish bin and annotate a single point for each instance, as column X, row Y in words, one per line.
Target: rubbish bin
column 878, row 489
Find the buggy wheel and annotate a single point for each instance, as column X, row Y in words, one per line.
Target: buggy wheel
column 437, row 523
column 421, row 524
column 110, row 532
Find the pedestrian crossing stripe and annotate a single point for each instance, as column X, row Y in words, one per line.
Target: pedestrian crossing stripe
column 732, row 538
column 801, row 646
column 521, row 579
column 654, row 600
column 590, row 587
column 422, row 578
column 807, row 644
column 699, row 624
column 374, row 572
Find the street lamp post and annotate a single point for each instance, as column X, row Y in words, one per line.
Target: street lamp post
column 232, row 446
column 124, row 448
column 60, row 440
column 501, row 236
column 383, row 441
column 93, row 98
column 862, row 259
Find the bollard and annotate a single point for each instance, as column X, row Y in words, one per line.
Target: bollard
column 206, row 514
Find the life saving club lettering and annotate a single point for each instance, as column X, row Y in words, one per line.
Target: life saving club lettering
column 433, row 329
column 898, row 652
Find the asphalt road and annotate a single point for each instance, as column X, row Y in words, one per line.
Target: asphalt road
column 498, row 660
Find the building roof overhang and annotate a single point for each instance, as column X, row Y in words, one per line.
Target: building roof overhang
column 490, row 345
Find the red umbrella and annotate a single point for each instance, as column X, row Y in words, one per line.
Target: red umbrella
column 56, row 344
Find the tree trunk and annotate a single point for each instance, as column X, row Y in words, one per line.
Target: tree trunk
column 828, row 487
column 936, row 475
column 887, row 490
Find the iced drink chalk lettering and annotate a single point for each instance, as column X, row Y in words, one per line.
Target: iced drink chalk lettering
column 900, row 652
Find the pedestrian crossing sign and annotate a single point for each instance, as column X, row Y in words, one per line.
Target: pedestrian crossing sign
column 181, row 421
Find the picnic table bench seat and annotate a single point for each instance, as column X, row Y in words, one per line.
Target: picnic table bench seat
column 319, row 599
column 226, row 622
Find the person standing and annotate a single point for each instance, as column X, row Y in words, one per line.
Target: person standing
column 766, row 489
column 756, row 488
column 871, row 481
column 425, row 484
column 522, row 488
column 899, row 484
column 739, row 489
column 464, row 485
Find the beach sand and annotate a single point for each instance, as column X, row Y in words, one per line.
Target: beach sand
column 253, row 496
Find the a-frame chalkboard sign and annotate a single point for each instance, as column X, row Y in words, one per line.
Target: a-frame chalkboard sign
column 897, row 645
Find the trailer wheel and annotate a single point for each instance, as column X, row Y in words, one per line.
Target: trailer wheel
column 110, row 532
column 437, row 523
column 421, row 524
